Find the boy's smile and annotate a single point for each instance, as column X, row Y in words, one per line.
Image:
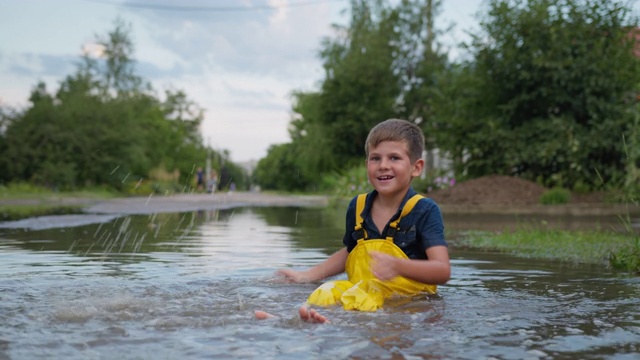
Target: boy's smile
column 390, row 169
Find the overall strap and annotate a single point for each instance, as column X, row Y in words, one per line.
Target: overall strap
column 393, row 226
column 362, row 233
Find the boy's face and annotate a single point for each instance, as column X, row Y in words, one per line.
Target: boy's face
column 390, row 169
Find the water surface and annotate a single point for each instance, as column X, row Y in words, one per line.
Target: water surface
column 185, row 285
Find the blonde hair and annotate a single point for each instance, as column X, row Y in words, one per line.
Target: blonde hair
column 397, row 130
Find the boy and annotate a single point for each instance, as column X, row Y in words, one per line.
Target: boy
column 394, row 157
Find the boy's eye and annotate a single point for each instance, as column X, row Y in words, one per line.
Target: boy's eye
column 374, row 158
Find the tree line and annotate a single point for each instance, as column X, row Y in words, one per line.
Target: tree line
column 547, row 91
column 106, row 126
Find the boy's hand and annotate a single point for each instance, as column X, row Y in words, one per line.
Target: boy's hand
column 383, row 266
column 292, row 276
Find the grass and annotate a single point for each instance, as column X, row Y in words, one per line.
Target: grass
column 618, row 250
column 20, row 211
column 27, row 191
column 22, row 200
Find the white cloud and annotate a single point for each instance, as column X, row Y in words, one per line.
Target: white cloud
column 280, row 15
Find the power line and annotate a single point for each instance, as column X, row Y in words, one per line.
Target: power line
column 211, row 8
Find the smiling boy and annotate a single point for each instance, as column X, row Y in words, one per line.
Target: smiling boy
column 394, row 239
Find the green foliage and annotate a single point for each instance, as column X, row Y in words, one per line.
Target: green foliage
column 631, row 186
column 25, row 190
column 360, row 87
column 590, row 247
column 231, row 173
column 382, row 65
column 348, row 184
column 628, row 257
column 548, row 93
column 21, row 189
column 421, row 64
column 104, row 125
column 281, row 170
column 17, row 212
column 41, row 201
column 555, row 196
column 5, row 119
column 363, row 85
column 433, row 180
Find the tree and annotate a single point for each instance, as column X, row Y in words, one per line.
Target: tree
column 360, row 86
column 280, row 170
column 385, row 63
column 5, row 119
column 104, row 125
column 421, row 61
column 547, row 94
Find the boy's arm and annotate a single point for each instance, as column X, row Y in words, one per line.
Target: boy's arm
column 436, row 270
column 333, row 265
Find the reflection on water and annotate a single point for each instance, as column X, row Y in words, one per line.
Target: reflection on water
column 185, row 286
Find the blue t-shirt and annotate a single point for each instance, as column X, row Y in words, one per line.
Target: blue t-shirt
column 419, row 230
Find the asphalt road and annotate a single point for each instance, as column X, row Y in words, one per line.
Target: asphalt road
column 193, row 202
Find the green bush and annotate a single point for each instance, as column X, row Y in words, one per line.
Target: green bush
column 555, row 196
column 17, row 212
column 627, row 258
column 434, row 180
column 348, row 184
column 21, row 189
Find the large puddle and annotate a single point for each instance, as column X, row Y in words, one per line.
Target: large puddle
column 185, row 285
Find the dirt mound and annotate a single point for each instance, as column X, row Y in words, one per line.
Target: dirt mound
column 494, row 190
column 503, row 190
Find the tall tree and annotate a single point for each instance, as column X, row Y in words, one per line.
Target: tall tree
column 281, row 170
column 360, row 86
column 383, row 64
column 548, row 93
column 104, row 125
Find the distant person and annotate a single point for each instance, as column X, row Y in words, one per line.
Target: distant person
column 199, row 179
column 212, row 183
column 394, row 239
column 232, row 188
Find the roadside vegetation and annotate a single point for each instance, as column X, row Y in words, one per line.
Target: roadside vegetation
column 23, row 211
column 618, row 250
column 106, row 126
column 23, row 200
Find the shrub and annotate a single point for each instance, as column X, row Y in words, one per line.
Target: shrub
column 348, row 184
column 555, row 196
column 627, row 258
column 434, row 180
column 22, row 189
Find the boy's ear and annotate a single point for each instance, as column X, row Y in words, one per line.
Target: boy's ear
column 417, row 167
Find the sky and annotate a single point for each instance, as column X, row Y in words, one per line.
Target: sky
column 239, row 60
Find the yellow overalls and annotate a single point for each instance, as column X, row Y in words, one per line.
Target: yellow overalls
column 363, row 291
